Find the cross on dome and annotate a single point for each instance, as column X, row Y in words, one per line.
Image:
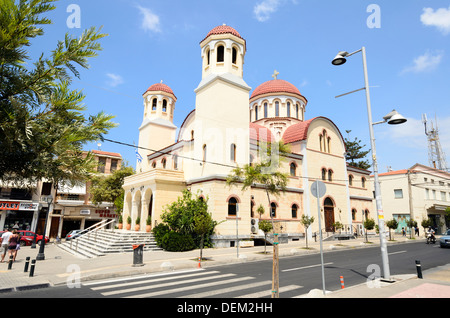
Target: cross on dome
column 275, row 74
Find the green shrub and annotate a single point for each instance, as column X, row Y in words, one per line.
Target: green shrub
column 176, row 242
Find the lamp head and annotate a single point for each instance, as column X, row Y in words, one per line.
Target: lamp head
column 340, row 58
column 394, row 118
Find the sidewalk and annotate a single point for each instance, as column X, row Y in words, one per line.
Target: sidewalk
column 60, row 268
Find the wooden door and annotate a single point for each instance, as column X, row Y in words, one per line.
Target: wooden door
column 329, row 219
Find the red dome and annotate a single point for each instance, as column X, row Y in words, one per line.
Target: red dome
column 297, row 132
column 160, row 87
column 275, row 86
column 223, row 29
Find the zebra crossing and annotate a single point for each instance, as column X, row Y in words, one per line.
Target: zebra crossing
column 198, row 283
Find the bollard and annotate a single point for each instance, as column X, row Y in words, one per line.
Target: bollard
column 419, row 269
column 10, row 262
column 27, row 263
column 342, row 282
column 33, row 263
column 199, row 263
column 138, row 255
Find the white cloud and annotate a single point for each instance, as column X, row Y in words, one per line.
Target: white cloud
column 264, row 9
column 150, row 21
column 425, row 63
column 439, row 18
column 114, row 79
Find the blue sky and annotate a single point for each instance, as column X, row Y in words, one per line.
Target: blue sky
column 408, row 56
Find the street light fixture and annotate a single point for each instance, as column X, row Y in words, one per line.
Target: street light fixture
column 41, row 255
column 393, row 118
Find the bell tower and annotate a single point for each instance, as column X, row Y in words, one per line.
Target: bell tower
column 157, row 130
column 222, row 100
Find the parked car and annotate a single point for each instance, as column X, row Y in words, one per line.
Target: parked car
column 444, row 241
column 26, row 237
column 73, row 234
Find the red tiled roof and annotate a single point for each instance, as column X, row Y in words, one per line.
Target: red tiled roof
column 160, row 87
column 297, row 132
column 403, row 171
column 260, row 133
column 106, row 153
column 275, row 86
column 223, row 29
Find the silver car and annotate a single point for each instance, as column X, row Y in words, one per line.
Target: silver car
column 444, row 241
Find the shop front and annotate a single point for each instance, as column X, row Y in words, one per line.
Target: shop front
column 18, row 215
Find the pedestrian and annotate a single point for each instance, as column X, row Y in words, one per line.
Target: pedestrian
column 13, row 243
column 403, row 231
column 5, row 243
column 417, row 230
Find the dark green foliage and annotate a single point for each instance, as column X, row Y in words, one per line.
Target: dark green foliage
column 185, row 224
column 354, row 154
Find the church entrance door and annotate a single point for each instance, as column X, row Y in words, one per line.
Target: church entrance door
column 329, row 219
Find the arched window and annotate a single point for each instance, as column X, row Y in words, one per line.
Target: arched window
column 163, row 163
column 164, row 107
column 320, row 142
column 204, row 153
column 277, row 109
column 220, row 53
column 175, row 162
column 294, row 210
column 330, row 175
column 232, row 206
column 288, row 106
column 354, row 214
column 293, row 169
column 233, row 152
column 350, row 180
column 329, row 144
column 296, row 111
column 324, row 174
column 192, row 134
column 256, row 112
column 154, row 102
column 234, row 57
column 208, row 57
column 363, row 182
column 273, row 209
column 154, row 164
column 265, row 110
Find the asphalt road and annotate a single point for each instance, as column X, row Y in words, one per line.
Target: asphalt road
column 298, row 275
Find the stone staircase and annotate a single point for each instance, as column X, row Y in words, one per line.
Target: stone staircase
column 101, row 242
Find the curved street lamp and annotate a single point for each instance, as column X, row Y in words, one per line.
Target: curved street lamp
column 41, row 255
column 393, row 118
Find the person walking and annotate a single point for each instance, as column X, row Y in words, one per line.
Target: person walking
column 5, row 243
column 13, row 243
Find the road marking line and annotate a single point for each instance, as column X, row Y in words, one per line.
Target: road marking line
column 228, row 290
column 148, row 277
column 181, row 289
column 137, row 289
column 399, row 252
column 304, row 267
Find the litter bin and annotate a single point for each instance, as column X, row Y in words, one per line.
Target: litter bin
column 138, row 255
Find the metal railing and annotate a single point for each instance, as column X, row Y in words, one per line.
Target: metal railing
column 98, row 226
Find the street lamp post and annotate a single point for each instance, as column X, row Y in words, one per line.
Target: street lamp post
column 392, row 118
column 41, row 255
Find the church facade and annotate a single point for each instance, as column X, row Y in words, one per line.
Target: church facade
column 225, row 130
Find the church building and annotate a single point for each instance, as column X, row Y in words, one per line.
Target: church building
column 224, row 131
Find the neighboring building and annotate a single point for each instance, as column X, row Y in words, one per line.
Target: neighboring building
column 73, row 208
column 224, row 130
column 24, row 208
column 417, row 193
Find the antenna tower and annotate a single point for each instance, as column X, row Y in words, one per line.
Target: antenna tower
column 436, row 156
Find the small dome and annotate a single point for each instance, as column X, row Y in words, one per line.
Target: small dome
column 260, row 133
column 275, row 86
column 160, row 87
column 223, row 29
